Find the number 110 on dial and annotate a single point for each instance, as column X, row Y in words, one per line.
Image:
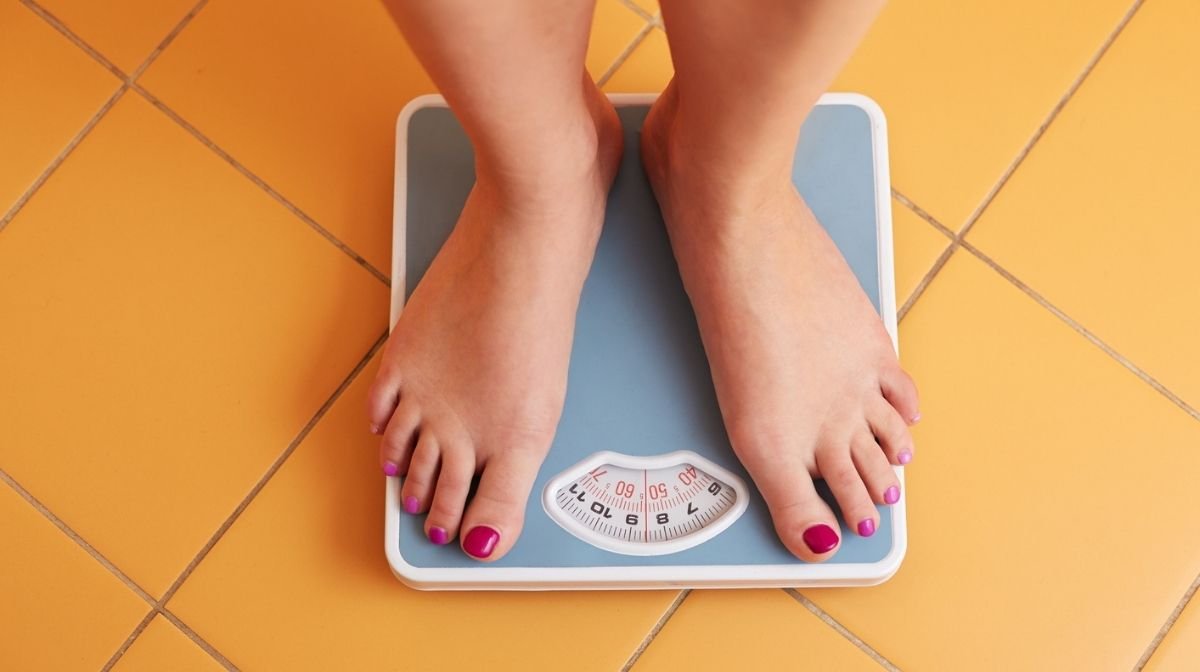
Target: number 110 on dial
column 645, row 505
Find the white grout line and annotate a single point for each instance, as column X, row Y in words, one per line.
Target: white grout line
column 658, row 626
column 66, row 32
column 636, row 9
column 272, row 469
column 624, row 55
column 200, row 641
column 1166, row 628
column 166, row 41
column 262, row 184
column 842, row 630
column 137, row 630
column 1082, row 330
column 62, row 156
column 1054, row 112
column 76, row 537
column 130, row 83
column 919, row 290
column 1012, row 167
column 160, row 604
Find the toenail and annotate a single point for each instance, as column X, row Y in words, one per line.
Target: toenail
column 866, row 527
column 438, row 536
column 915, row 419
column 904, row 457
column 376, row 429
column 411, row 504
column 891, row 495
column 481, row 541
column 820, row 538
column 390, row 468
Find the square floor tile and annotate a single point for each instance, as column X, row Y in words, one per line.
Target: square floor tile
column 646, row 70
column 1181, row 648
column 917, row 245
column 614, row 27
column 124, row 31
column 62, row 609
column 51, row 90
column 169, row 328
column 1101, row 218
column 966, row 84
column 316, row 533
column 749, row 630
column 306, row 97
column 1051, row 502
column 162, row 646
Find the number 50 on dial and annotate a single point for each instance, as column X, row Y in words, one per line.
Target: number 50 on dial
column 645, row 505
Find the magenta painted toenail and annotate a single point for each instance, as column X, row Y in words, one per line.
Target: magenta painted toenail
column 438, row 536
column 891, row 495
column 411, row 504
column 867, row 527
column 481, row 541
column 820, row 538
column 390, row 468
column 904, row 457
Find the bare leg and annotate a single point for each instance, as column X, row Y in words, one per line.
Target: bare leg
column 474, row 375
column 805, row 373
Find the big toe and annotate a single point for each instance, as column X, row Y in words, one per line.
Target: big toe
column 494, row 517
column 803, row 521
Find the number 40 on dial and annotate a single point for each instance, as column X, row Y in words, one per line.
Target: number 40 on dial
column 645, row 505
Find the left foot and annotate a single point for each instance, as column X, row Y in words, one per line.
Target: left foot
column 806, row 375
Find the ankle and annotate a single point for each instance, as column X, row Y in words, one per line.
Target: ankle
column 716, row 163
column 580, row 145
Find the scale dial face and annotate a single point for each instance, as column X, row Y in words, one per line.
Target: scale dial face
column 645, row 505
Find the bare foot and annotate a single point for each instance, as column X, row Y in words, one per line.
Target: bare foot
column 805, row 373
column 475, row 371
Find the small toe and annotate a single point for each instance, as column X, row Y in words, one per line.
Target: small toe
column 901, row 392
column 890, row 431
column 842, row 477
column 399, row 439
column 422, row 474
column 804, row 522
column 450, row 496
column 496, row 513
column 877, row 474
column 382, row 400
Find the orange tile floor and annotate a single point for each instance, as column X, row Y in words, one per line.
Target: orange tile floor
column 194, row 239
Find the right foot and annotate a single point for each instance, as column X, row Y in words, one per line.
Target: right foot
column 805, row 373
column 475, row 370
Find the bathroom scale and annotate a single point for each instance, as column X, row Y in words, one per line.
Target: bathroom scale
column 641, row 488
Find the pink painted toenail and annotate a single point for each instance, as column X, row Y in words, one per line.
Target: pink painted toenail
column 891, row 495
column 390, row 468
column 376, row 429
column 820, row 538
column 481, row 541
column 904, row 457
column 867, row 527
column 438, row 536
column 411, row 504
column 915, row 419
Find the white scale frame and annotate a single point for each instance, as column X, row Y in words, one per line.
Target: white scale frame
column 652, row 577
